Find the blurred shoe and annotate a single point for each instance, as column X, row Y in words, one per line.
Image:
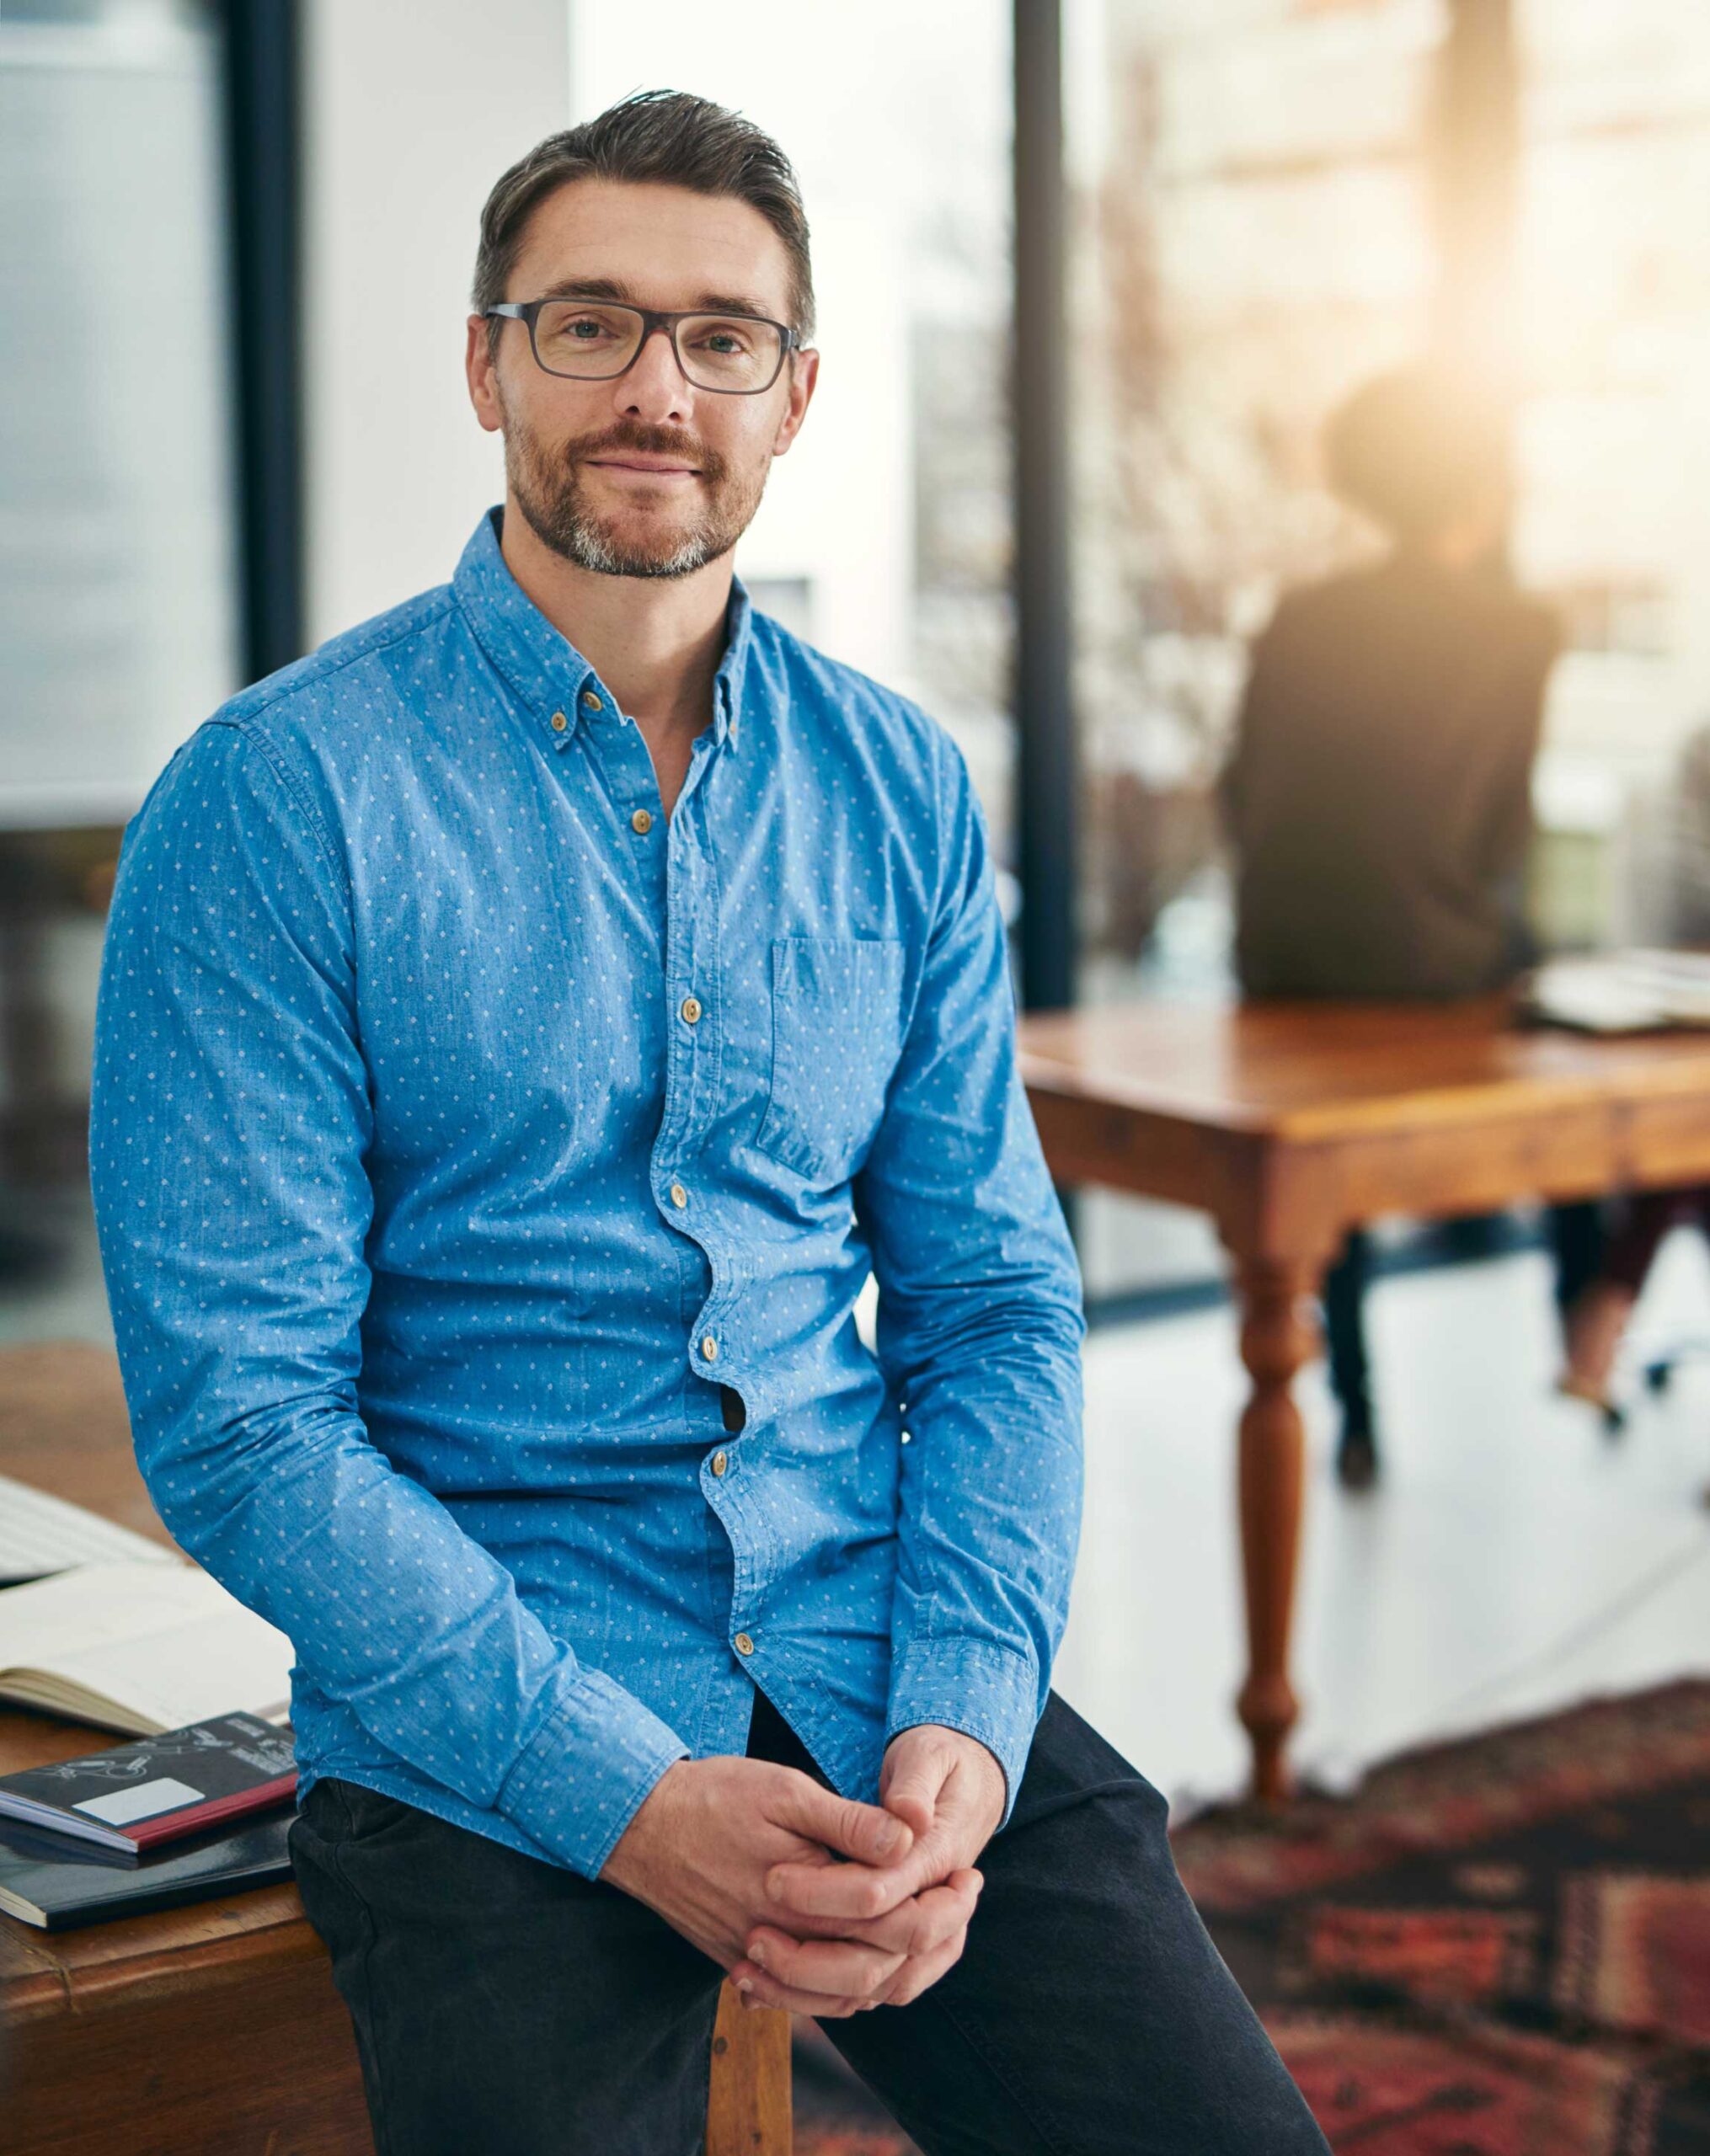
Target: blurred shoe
column 1597, row 1325
column 1356, row 1456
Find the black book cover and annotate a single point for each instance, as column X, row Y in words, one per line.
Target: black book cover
column 133, row 1796
column 49, row 1882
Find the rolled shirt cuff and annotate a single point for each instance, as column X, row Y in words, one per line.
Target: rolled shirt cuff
column 586, row 1771
column 989, row 1692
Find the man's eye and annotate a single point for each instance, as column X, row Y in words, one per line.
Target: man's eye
column 585, row 330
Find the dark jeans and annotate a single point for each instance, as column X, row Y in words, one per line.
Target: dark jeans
column 503, row 2006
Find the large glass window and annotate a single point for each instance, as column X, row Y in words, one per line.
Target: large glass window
column 118, row 606
column 1611, row 331
column 116, row 516
column 1252, row 232
column 1274, row 200
column 1252, row 225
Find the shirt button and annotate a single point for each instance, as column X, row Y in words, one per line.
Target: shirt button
column 721, row 1460
column 743, row 1644
column 679, row 1196
column 560, row 721
column 691, row 1008
column 641, row 821
column 709, row 1347
column 590, row 701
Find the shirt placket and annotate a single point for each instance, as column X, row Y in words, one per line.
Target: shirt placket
column 694, row 989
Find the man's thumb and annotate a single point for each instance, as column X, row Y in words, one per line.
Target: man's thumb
column 911, row 1794
column 866, row 1832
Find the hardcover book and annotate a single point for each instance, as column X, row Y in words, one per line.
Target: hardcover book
column 56, row 1885
column 134, row 1796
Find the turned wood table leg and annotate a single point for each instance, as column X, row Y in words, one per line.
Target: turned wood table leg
column 1278, row 1332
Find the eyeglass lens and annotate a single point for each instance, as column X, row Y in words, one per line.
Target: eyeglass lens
column 593, row 339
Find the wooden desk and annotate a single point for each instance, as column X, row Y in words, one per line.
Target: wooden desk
column 213, row 2030
column 1290, row 1124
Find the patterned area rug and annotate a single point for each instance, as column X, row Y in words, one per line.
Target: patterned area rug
column 1498, row 1947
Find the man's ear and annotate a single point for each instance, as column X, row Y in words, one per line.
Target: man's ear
column 804, row 372
column 481, row 373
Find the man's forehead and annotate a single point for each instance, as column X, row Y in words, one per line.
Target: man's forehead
column 654, row 244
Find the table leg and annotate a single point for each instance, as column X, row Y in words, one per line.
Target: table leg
column 1278, row 1334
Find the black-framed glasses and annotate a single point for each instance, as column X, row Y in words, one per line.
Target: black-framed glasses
column 597, row 341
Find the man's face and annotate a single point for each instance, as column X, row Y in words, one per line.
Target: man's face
column 642, row 474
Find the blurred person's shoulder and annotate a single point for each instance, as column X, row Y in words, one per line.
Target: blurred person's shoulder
column 1303, row 609
column 1400, row 588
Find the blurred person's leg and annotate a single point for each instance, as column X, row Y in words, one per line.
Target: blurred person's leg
column 1578, row 1236
column 1350, row 1373
column 1597, row 1315
column 1090, row 2013
column 1465, row 1238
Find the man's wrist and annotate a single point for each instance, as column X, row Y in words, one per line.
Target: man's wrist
column 630, row 1863
column 588, row 1769
column 980, row 1689
column 986, row 1762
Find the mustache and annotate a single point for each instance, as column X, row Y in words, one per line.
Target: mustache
column 647, row 442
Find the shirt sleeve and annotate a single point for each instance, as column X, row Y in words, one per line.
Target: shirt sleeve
column 979, row 1330
column 230, row 1117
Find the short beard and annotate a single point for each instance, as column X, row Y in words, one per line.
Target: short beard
column 554, row 501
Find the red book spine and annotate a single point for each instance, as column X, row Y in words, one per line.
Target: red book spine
column 167, row 1826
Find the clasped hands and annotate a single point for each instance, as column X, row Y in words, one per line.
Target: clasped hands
column 813, row 1901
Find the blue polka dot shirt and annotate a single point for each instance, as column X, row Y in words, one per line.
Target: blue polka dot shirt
column 486, row 1167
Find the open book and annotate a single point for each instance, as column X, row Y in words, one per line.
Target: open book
column 140, row 1647
column 1621, row 991
column 41, row 1533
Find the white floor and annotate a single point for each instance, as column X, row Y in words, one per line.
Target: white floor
column 1514, row 1557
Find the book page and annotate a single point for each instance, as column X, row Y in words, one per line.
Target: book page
column 41, row 1534
column 165, row 1641
column 205, row 1667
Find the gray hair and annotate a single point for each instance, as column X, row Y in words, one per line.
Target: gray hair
column 660, row 136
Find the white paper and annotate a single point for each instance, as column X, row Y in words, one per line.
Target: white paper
column 121, row 1805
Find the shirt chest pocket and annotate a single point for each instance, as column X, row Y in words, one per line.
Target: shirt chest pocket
column 836, row 1021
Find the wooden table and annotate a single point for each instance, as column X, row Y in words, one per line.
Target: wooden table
column 213, row 2030
column 1291, row 1123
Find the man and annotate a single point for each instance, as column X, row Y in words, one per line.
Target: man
column 1378, row 793
column 524, row 1025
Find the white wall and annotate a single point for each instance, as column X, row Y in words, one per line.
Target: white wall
column 411, row 115
column 839, row 509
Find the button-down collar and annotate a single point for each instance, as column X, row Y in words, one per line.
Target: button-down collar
column 549, row 676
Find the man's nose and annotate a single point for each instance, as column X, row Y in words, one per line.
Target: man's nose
column 653, row 388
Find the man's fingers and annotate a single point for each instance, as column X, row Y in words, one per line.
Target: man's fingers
column 866, row 1832
column 763, row 1990
column 833, row 1967
column 924, row 1923
column 924, row 1971
column 847, row 1890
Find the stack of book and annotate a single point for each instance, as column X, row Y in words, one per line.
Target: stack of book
column 121, row 1633
column 145, row 1826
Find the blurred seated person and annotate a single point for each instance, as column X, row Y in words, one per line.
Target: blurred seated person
column 1598, row 1317
column 1377, row 795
